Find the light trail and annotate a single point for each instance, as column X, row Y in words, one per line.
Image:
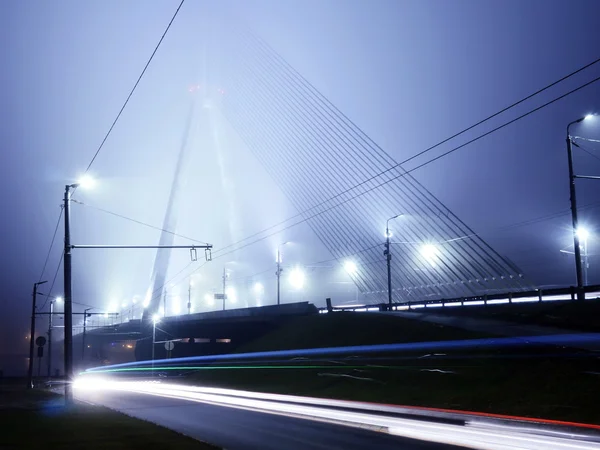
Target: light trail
column 503, row 342
column 468, row 431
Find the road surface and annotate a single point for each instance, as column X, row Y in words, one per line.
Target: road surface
column 237, row 420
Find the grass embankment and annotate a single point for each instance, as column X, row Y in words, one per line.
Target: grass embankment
column 342, row 329
column 561, row 387
column 37, row 419
column 569, row 315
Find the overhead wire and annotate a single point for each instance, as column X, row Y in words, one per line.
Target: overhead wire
column 138, row 222
column 325, row 117
column 584, row 149
column 134, row 86
column 417, row 167
column 49, row 296
column 51, row 244
column 440, row 143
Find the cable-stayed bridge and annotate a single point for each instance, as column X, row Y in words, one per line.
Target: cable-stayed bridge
column 343, row 185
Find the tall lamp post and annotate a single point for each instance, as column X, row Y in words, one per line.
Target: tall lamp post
column 574, row 218
column 32, row 335
column 279, row 271
column 50, row 320
column 388, row 256
column 155, row 320
column 85, row 181
column 85, row 316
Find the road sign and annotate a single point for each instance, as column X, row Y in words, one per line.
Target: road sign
column 169, row 345
column 40, row 341
column 220, row 296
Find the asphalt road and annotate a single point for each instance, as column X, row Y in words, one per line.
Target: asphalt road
column 236, row 420
column 241, row 429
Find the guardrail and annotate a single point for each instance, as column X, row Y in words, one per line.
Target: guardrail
column 537, row 295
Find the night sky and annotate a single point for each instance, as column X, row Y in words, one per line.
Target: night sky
column 409, row 73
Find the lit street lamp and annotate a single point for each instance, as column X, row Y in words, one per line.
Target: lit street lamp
column 297, row 278
column 583, row 235
column 351, row 269
column 574, row 218
column 388, row 255
column 85, row 182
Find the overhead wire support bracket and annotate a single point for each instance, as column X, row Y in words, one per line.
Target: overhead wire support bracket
column 191, row 247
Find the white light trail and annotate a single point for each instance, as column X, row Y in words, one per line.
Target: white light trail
column 478, row 433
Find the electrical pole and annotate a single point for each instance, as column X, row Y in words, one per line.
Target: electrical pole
column 388, row 256
column 224, row 286
column 85, row 316
column 165, row 304
column 278, row 273
column 574, row 218
column 50, row 339
column 32, row 335
column 68, row 298
column 189, row 305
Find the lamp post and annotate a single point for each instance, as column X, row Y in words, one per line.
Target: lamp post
column 279, row 271
column 32, row 335
column 574, row 218
column 50, row 319
column 85, row 316
column 388, row 256
column 155, row 320
column 189, row 303
column 583, row 235
column 85, row 181
column 224, row 286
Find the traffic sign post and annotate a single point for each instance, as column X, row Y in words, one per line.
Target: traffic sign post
column 169, row 345
column 40, row 342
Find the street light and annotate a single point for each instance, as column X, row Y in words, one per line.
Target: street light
column 430, row 253
column 258, row 288
column 32, row 335
column 231, row 294
column 350, row 267
column 85, row 182
column 279, row 270
column 574, row 218
column 388, row 256
column 155, row 320
column 583, row 235
column 297, row 278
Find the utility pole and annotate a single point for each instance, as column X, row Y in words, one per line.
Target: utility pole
column 189, row 305
column 68, row 298
column 278, row 273
column 388, row 256
column 165, row 304
column 224, row 286
column 32, row 335
column 574, row 218
column 50, row 339
column 85, row 316
column 279, row 270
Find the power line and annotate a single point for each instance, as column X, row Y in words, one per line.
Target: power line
column 589, row 152
column 139, row 222
column 398, row 165
column 406, row 172
column 53, row 280
column 134, row 87
column 51, row 243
